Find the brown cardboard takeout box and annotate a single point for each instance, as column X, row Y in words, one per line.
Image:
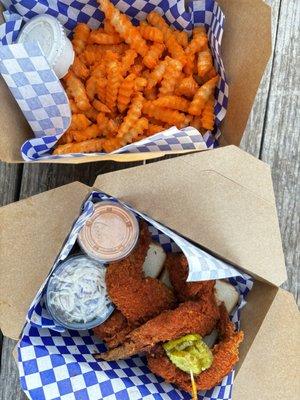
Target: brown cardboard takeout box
column 221, row 199
column 246, row 48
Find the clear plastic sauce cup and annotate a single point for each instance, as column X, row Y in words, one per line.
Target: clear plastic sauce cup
column 50, row 34
column 110, row 234
column 76, row 294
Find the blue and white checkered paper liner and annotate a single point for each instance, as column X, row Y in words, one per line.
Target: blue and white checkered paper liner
column 69, row 13
column 58, row 364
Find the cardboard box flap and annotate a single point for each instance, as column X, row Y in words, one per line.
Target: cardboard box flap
column 246, row 49
column 32, row 232
column 271, row 367
column 221, row 199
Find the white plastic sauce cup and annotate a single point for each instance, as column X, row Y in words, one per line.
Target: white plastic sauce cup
column 50, row 34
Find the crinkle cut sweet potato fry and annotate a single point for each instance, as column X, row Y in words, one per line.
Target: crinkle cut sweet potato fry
column 91, row 132
column 91, row 114
column 151, row 33
column 182, row 38
column 153, row 129
column 152, row 57
column 128, row 60
column 100, row 37
column 133, row 114
column 80, row 69
column 187, row 87
column 80, row 37
column 157, row 74
column 119, row 63
column 114, row 80
column 171, row 76
column 136, row 131
column 169, row 116
column 88, row 146
column 204, row 62
column 202, row 96
column 173, row 102
column 101, row 107
column 77, row 90
column 126, row 90
column 170, row 40
column 124, row 27
column 198, row 42
column 208, row 115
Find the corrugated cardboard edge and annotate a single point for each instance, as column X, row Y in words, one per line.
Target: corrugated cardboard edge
column 271, row 367
column 222, row 200
column 32, row 232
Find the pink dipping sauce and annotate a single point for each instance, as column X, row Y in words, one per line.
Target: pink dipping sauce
column 110, row 234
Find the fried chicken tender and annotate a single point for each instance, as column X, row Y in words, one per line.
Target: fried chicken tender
column 198, row 313
column 225, row 355
column 137, row 297
column 114, row 330
column 177, row 266
column 189, row 317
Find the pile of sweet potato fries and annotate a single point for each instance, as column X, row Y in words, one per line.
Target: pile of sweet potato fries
column 129, row 82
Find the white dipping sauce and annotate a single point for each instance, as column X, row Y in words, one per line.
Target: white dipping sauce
column 77, row 292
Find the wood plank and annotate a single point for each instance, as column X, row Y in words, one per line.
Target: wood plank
column 280, row 146
column 40, row 177
column 10, row 180
column 9, row 379
column 252, row 138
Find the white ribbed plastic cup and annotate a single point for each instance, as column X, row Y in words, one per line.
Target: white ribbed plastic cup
column 50, row 34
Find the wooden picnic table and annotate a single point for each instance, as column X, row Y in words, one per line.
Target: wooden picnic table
column 272, row 135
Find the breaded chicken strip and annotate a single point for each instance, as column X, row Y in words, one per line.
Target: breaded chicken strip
column 225, row 357
column 138, row 298
column 189, row 317
column 177, row 266
column 114, row 330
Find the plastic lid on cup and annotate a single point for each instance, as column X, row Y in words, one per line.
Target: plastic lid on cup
column 110, row 234
column 50, row 34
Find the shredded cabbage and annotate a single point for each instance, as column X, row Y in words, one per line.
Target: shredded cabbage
column 77, row 293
